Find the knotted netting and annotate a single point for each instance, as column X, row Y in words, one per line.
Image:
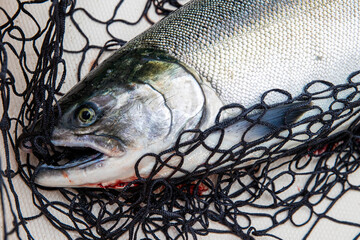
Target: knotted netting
column 256, row 189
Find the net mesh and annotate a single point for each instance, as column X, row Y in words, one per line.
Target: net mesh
column 251, row 189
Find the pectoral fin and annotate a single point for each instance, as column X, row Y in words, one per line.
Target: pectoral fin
column 269, row 121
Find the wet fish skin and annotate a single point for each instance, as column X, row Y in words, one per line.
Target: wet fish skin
column 236, row 45
column 226, row 51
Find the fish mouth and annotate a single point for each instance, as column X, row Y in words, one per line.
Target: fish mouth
column 72, row 166
column 85, row 160
column 70, row 154
column 68, row 157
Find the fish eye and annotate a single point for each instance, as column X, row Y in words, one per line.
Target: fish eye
column 86, row 115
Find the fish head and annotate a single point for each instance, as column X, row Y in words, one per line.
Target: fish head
column 133, row 103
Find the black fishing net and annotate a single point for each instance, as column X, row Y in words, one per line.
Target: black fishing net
column 252, row 189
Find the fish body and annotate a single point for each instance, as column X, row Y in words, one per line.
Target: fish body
column 272, row 44
column 178, row 74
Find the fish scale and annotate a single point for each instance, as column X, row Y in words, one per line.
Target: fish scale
column 244, row 48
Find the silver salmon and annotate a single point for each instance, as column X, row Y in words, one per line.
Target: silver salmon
column 178, row 74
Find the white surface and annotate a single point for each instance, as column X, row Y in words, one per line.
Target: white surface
column 346, row 209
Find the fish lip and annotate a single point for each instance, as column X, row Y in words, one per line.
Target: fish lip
column 74, row 157
column 58, row 176
column 47, row 175
column 81, row 162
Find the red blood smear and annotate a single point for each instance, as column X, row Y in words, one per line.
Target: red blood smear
column 320, row 151
column 117, row 185
column 201, row 188
column 66, row 176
